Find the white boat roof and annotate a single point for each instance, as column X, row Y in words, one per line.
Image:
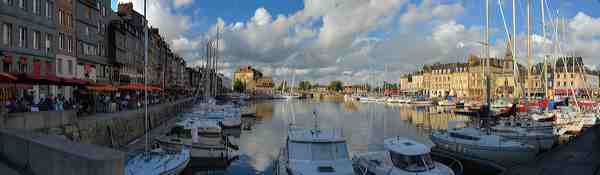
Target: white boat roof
column 315, row 135
column 194, row 122
column 406, row 146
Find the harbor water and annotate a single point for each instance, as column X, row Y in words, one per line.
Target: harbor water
column 364, row 125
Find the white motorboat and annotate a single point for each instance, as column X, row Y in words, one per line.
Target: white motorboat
column 590, row 119
column 158, row 162
column 393, row 100
column 381, row 99
column 543, row 141
column 446, row 103
column 204, row 138
column 422, row 102
column 228, row 116
column 363, row 99
column 372, row 99
column 501, row 103
column 405, row 100
column 313, row 152
column 484, row 145
column 402, row 157
column 291, row 96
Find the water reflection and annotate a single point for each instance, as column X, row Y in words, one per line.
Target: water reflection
column 364, row 125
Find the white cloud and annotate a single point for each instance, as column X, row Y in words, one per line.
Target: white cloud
column 179, row 3
column 332, row 39
column 162, row 15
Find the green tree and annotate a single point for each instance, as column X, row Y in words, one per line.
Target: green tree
column 239, row 86
column 304, row 85
column 336, row 85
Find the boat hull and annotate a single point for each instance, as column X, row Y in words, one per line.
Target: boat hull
column 178, row 170
column 503, row 156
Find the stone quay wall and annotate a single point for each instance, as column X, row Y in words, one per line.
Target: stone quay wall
column 36, row 153
column 118, row 129
column 37, row 120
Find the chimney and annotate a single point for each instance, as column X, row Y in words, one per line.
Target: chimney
column 125, row 8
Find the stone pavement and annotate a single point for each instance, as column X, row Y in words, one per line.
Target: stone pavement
column 5, row 170
column 581, row 157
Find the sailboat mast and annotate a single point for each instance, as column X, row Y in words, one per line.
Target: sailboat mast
column 529, row 59
column 545, row 69
column 146, row 123
column 514, row 46
column 487, row 49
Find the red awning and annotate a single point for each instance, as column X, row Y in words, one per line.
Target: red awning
column 23, row 60
column 75, row 81
column 7, row 59
column 16, row 85
column 102, row 88
column 139, row 86
column 52, row 78
column 48, row 68
column 7, row 77
column 36, row 70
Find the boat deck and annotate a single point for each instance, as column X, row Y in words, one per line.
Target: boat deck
column 581, row 156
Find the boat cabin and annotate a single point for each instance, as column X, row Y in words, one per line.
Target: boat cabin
column 409, row 155
column 316, row 145
column 183, row 128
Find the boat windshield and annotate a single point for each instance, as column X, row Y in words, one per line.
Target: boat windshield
column 462, row 136
column 418, row 163
column 317, row 151
column 179, row 131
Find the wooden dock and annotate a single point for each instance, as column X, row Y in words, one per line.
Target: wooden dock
column 581, row 157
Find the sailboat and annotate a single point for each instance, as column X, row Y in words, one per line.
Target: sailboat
column 156, row 161
column 291, row 95
column 484, row 145
column 314, row 151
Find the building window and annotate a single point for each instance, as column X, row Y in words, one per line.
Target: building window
column 59, row 65
column 35, row 6
column 8, row 2
column 6, row 67
column 48, row 42
column 36, row 43
column 70, row 44
column 87, row 30
column 61, row 41
column 22, row 37
column 49, row 11
column 22, row 67
column 88, row 12
column 70, row 67
column 7, row 34
column 60, row 17
column 22, row 4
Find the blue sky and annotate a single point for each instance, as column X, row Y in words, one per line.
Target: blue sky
column 324, row 39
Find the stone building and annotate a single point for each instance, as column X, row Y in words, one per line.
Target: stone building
column 262, row 86
column 66, row 59
column 362, row 89
column 28, row 41
column 126, row 44
column 87, row 30
column 246, row 74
